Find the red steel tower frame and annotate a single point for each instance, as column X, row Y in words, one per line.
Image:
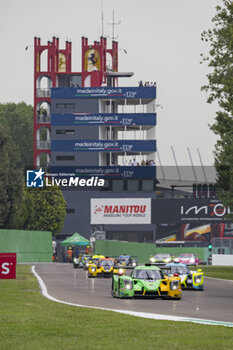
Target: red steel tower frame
column 94, row 73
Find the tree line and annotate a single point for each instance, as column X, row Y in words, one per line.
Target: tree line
column 220, row 89
column 40, row 209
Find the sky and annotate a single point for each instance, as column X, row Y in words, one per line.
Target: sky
column 162, row 39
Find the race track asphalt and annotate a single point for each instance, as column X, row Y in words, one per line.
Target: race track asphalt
column 65, row 283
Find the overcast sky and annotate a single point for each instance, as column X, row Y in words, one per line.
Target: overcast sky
column 163, row 43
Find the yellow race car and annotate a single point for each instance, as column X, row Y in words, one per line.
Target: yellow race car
column 105, row 267
column 93, row 260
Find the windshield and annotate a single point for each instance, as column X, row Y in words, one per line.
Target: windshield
column 162, row 256
column 95, row 260
column 148, row 274
column 181, row 270
column 106, row 263
column 123, row 258
column 186, row 256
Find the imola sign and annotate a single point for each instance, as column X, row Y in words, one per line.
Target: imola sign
column 7, row 265
column 175, row 210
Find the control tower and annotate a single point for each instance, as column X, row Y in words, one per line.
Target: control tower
column 94, row 127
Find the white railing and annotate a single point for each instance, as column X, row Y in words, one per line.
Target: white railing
column 43, row 92
column 40, row 118
column 46, row 144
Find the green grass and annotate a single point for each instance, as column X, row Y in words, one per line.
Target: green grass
column 224, row 272
column 30, row 321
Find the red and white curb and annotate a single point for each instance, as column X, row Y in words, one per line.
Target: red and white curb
column 131, row 313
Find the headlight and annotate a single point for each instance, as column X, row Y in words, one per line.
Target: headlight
column 176, row 260
column 87, row 264
column 93, row 269
column 75, row 260
column 152, row 260
column 197, row 279
column 192, row 260
column 174, row 285
column 167, row 260
column 134, row 264
column 120, row 271
column 128, row 284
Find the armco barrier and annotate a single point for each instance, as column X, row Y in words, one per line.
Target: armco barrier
column 144, row 250
column 30, row 246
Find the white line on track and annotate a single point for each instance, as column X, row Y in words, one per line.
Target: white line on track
column 219, row 279
column 132, row 313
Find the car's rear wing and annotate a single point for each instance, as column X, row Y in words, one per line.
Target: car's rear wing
column 158, row 264
column 127, row 267
column 162, row 266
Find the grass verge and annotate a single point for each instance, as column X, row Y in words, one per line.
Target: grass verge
column 224, row 272
column 30, row 321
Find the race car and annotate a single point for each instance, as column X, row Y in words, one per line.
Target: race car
column 188, row 259
column 105, row 267
column 93, row 260
column 81, row 261
column 189, row 279
column 146, row 281
column 127, row 260
column 161, row 258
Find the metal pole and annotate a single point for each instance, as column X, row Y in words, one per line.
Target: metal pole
column 178, row 170
column 164, row 177
column 191, row 161
column 203, row 169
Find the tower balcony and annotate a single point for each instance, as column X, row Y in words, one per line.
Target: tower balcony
column 43, row 145
column 43, row 93
column 43, row 118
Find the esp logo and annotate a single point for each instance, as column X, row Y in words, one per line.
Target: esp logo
column 7, row 265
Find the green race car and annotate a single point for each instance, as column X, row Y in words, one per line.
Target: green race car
column 146, row 281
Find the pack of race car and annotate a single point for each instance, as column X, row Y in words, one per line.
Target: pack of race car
column 153, row 280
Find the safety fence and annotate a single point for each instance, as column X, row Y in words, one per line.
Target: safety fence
column 30, row 246
column 144, row 250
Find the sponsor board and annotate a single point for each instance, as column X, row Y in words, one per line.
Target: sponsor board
column 7, row 265
column 173, row 210
column 103, row 146
column 126, row 172
column 120, row 211
column 103, row 92
column 116, row 119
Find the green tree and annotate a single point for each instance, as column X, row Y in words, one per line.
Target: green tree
column 43, row 209
column 220, row 89
column 11, row 179
column 18, row 118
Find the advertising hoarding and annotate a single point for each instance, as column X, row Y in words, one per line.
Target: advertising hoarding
column 104, row 92
column 173, row 210
column 103, row 146
column 7, row 265
column 125, row 172
column 115, row 119
column 122, row 211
